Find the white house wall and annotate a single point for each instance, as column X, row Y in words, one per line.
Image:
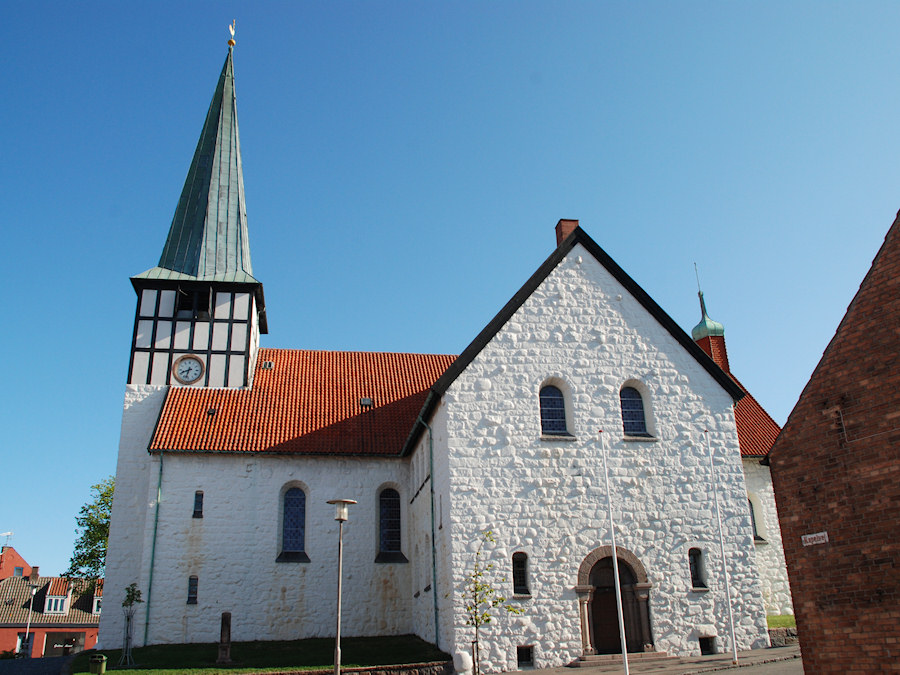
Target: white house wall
column 776, row 589
column 582, row 330
column 232, row 550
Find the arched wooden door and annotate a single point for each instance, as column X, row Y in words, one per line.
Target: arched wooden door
column 604, row 614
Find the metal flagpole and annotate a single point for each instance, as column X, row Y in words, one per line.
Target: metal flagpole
column 612, row 531
column 712, row 470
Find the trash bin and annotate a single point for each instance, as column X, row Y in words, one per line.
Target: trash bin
column 98, row 664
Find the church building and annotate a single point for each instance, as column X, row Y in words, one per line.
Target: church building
column 230, row 452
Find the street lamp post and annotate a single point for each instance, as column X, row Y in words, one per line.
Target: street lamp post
column 28, row 625
column 340, row 516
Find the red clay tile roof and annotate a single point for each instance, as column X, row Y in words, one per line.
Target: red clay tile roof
column 756, row 430
column 59, row 586
column 307, row 403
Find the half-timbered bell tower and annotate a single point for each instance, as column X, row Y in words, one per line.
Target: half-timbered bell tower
column 200, row 310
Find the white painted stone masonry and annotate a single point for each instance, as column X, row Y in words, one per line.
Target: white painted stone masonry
column 580, row 330
column 233, row 548
column 583, row 331
column 776, row 589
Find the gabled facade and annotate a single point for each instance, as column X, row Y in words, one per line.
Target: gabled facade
column 221, row 491
column 12, row 564
column 836, row 469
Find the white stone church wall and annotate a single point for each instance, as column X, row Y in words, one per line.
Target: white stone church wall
column 232, row 550
column 776, row 589
column 130, row 505
column 582, row 330
column 423, row 604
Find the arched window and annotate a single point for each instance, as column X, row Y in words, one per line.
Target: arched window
column 389, row 530
column 520, row 573
column 553, row 411
column 695, row 559
column 293, row 527
column 756, row 535
column 633, row 419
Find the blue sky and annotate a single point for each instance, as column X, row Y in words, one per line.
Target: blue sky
column 404, row 165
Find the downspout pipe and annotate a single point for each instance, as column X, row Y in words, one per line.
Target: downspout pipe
column 153, row 548
column 434, row 588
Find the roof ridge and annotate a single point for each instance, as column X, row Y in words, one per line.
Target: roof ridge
column 352, row 351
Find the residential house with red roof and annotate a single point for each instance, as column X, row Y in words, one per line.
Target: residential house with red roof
column 12, row 564
column 230, row 452
column 47, row 616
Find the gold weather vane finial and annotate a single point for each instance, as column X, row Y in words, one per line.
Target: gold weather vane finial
column 231, row 42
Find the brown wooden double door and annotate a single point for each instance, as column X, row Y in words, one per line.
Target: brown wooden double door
column 604, row 615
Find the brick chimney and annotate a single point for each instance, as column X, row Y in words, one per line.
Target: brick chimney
column 34, row 574
column 564, row 228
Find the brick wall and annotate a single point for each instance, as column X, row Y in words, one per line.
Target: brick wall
column 836, row 469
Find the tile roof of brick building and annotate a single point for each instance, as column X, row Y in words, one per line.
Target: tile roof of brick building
column 308, row 402
column 15, row 599
column 59, row 586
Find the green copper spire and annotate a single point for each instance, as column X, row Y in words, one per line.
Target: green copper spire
column 707, row 327
column 208, row 238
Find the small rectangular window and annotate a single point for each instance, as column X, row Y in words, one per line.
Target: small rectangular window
column 695, row 558
column 18, row 571
column 520, row 574
column 192, row 590
column 198, row 504
column 525, row 656
column 97, row 603
column 56, row 605
column 707, row 645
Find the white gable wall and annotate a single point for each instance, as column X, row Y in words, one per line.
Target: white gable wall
column 545, row 497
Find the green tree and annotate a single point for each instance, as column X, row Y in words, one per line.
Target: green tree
column 481, row 598
column 89, row 558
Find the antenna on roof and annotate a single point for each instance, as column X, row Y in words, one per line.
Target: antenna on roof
column 7, row 535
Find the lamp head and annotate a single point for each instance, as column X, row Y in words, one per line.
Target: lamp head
column 340, row 508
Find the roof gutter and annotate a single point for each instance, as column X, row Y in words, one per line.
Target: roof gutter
column 153, row 549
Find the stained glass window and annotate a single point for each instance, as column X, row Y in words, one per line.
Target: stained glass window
column 389, row 521
column 633, row 412
column 294, row 527
column 553, row 411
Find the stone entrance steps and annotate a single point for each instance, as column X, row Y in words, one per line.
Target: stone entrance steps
column 613, row 659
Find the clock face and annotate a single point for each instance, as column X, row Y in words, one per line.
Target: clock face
column 188, row 369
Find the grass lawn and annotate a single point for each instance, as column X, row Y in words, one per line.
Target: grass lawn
column 200, row 659
column 775, row 621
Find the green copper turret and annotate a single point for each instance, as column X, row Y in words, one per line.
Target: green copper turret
column 707, row 327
